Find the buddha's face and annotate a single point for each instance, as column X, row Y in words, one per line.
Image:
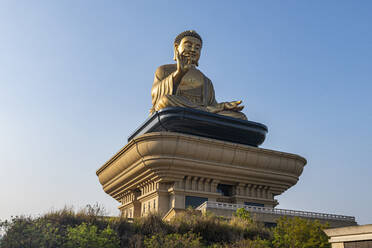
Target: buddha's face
column 190, row 47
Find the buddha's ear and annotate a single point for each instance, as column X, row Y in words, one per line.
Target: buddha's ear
column 175, row 47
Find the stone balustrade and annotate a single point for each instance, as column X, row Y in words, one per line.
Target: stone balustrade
column 275, row 211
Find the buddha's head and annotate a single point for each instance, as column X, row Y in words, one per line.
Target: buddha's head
column 189, row 44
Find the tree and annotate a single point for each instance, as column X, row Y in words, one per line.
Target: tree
column 88, row 236
column 299, row 233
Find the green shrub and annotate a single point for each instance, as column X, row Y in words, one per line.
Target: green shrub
column 300, row 233
column 68, row 217
column 50, row 230
column 246, row 243
column 88, row 236
column 150, row 224
column 212, row 229
column 243, row 214
column 176, row 240
column 126, row 232
column 26, row 232
column 250, row 229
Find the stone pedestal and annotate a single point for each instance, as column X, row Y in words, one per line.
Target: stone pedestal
column 161, row 171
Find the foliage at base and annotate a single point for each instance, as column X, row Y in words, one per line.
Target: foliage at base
column 174, row 240
column 300, row 233
column 89, row 228
column 88, row 235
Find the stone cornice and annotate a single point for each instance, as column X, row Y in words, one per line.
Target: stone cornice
column 170, row 156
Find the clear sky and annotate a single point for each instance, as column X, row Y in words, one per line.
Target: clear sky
column 75, row 79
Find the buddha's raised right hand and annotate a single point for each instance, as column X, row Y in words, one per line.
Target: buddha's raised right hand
column 182, row 67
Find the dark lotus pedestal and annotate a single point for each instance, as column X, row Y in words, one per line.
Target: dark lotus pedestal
column 204, row 124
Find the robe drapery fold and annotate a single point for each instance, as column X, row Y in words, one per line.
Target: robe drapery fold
column 164, row 94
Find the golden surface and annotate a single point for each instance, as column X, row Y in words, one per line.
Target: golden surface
column 183, row 85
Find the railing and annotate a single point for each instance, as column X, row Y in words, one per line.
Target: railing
column 276, row 211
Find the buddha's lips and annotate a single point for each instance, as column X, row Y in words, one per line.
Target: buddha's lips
column 188, row 54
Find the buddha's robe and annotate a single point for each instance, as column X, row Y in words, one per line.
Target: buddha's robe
column 194, row 91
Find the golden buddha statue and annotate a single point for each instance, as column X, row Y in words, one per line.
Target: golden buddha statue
column 183, row 85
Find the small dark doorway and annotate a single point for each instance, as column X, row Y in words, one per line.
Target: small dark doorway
column 225, row 189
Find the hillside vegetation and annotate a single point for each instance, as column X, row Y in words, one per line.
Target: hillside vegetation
column 89, row 228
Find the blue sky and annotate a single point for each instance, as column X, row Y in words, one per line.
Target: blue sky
column 75, row 79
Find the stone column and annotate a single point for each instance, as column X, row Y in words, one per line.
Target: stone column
column 187, row 183
column 200, row 184
column 136, row 203
column 179, row 201
column 194, row 183
column 214, row 184
column 163, row 198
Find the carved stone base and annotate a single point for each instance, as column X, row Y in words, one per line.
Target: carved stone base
column 158, row 171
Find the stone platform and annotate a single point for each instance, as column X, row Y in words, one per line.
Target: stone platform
column 160, row 171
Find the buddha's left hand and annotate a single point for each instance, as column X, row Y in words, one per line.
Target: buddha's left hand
column 234, row 106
